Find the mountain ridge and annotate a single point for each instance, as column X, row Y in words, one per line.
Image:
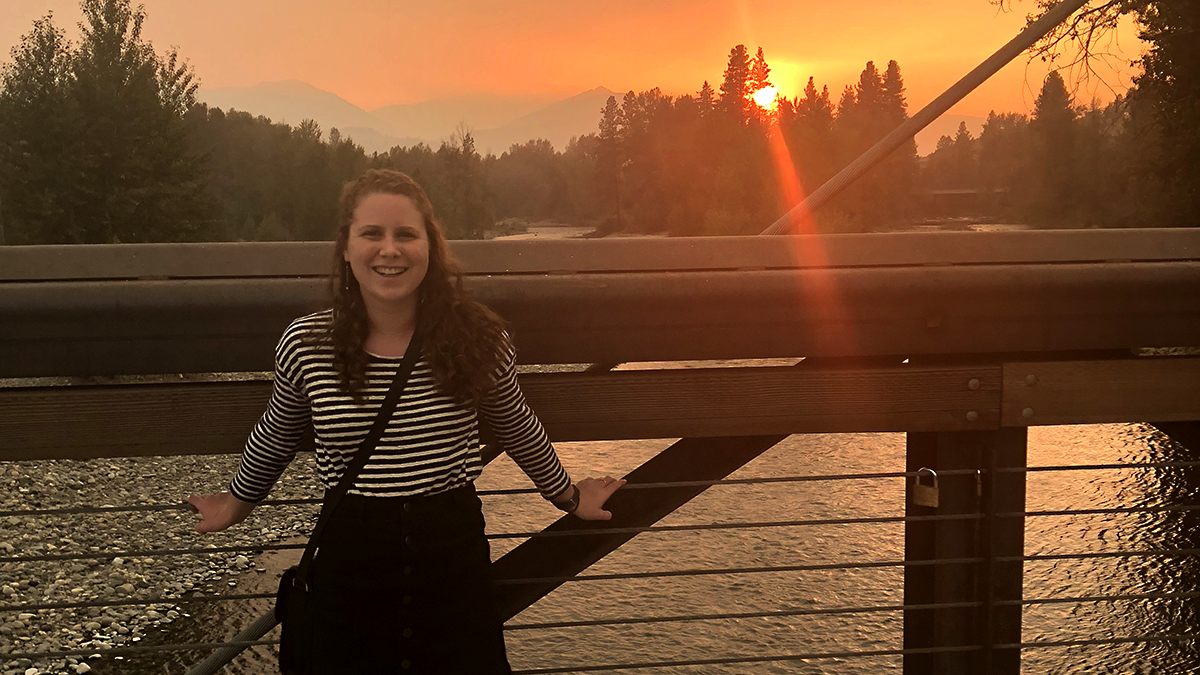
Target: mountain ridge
column 496, row 121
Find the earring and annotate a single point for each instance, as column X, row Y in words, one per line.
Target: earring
column 346, row 276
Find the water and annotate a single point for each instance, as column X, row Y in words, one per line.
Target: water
column 846, row 453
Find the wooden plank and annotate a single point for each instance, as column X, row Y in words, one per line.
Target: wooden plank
column 61, row 328
column 1149, row 389
column 762, row 400
column 258, row 259
column 215, row 417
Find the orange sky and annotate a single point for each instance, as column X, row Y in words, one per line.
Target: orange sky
column 379, row 52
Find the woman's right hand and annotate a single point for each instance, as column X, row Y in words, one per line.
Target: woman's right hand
column 219, row 511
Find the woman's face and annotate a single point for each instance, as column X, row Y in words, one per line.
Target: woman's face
column 388, row 248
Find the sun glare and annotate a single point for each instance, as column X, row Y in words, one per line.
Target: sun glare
column 765, row 97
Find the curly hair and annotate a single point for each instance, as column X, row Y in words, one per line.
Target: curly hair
column 464, row 341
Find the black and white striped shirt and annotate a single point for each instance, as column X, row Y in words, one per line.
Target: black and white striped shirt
column 430, row 445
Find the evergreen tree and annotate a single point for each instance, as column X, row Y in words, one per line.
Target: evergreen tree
column 1163, row 110
column 894, row 103
column 1170, row 89
column 1052, row 176
column 734, row 89
column 869, row 92
column 760, row 73
column 137, row 180
column 847, row 103
column 704, row 100
column 609, row 158
column 39, row 126
column 815, row 109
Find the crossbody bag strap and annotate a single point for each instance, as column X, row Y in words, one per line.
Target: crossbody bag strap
column 333, row 496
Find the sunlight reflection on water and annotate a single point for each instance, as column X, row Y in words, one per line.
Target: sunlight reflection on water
column 847, row 453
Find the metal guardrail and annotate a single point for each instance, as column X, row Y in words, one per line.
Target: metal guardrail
column 974, row 562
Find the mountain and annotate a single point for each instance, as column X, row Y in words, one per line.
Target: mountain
column 292, row 101
column 946, row 125
column 373, row 140
column 496, row 121
column 557, row 123
column 438, row 119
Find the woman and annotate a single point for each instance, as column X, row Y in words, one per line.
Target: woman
column 400, row 580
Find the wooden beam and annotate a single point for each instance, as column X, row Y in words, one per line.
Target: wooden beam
column 308, row 259
column 228, row 325
column 215, row 417
column 535, row 567
column 1148, row 389
column 967, row 493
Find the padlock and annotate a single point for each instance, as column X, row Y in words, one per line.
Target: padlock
column 925, row 495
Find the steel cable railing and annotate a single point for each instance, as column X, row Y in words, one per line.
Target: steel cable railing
column 237, row 645
column 535, row 534
column 177, row 506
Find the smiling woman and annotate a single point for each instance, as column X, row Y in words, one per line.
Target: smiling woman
column 387, row 251
column 393, row 379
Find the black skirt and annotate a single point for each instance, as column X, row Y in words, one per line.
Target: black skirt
column 402, row 585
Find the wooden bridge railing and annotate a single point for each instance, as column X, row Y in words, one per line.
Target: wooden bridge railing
column 960, row 339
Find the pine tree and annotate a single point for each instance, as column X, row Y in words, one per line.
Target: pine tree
column 815, row 108
column 608, row 158
column 894, row 103
column 1051, row 178
column 734, row 94
column 869, row 92
column 847, row 103
column 704, row 100
column 760, row 73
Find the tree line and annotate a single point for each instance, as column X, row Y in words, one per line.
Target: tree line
column 103, row 141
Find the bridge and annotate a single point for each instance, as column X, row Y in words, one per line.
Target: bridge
column 961, row 340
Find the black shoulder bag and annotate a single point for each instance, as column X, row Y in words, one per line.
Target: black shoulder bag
column 295, row 656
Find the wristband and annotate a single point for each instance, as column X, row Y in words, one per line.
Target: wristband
column 571, row 503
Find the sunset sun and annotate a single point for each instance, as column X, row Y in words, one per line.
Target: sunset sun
column 765, row 97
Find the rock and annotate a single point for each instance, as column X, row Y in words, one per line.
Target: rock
column 83, row 668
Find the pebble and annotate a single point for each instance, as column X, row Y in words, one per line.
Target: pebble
column 156, row 579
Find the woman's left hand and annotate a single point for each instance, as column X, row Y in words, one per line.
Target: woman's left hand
column 593, row 492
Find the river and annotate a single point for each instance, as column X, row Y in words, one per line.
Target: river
column 827, row 454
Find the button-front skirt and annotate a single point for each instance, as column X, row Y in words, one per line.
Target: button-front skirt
column 401, row 585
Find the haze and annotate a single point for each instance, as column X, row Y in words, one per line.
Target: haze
column 375, row 53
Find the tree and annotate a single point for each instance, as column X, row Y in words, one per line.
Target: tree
column 95, row 146
column 138, row 180
column 1053, row 173
column 704, row 100
column 895, row 106
column 760, row 73
column 1166, row 95
column 39, row 125
column 734, row 94
column 609, row 158
column 869, row 92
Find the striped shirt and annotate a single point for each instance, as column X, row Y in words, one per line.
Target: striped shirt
column 431, row 442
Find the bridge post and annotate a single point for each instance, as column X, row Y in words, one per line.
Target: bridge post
column 971, row 483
